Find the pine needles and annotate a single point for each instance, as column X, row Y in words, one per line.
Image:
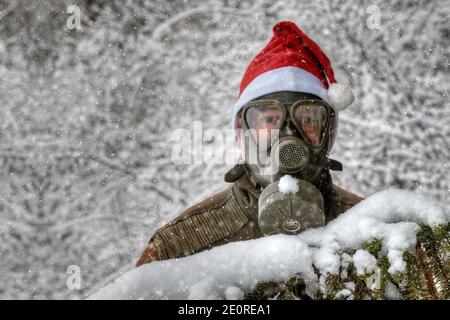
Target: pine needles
column 426, row 276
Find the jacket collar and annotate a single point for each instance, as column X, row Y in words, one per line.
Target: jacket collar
column 245, row 190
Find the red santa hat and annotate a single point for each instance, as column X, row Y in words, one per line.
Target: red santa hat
column 291, row 61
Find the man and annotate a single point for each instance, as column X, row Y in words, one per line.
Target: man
column 288, row 89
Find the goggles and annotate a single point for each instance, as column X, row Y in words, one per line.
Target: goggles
column 312, row 118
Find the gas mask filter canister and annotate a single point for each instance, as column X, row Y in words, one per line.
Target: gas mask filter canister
column 298, row 206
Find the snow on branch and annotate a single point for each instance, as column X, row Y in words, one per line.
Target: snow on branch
column 393, row 217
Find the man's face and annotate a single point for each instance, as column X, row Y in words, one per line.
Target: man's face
column 311, row 119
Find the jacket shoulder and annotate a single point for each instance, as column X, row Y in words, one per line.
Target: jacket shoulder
column 346, row 197
column 342, row 200
column 197, row 228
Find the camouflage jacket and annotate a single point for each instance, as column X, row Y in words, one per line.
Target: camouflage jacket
column 230, row 215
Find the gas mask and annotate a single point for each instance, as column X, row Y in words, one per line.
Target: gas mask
column 288, row 133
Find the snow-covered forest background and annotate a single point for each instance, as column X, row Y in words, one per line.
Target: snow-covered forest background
column 87, row 117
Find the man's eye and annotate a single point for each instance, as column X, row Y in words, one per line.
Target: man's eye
column 271, row 120
column 306, row 120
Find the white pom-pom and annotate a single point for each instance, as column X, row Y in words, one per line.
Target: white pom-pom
column 340, row 96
